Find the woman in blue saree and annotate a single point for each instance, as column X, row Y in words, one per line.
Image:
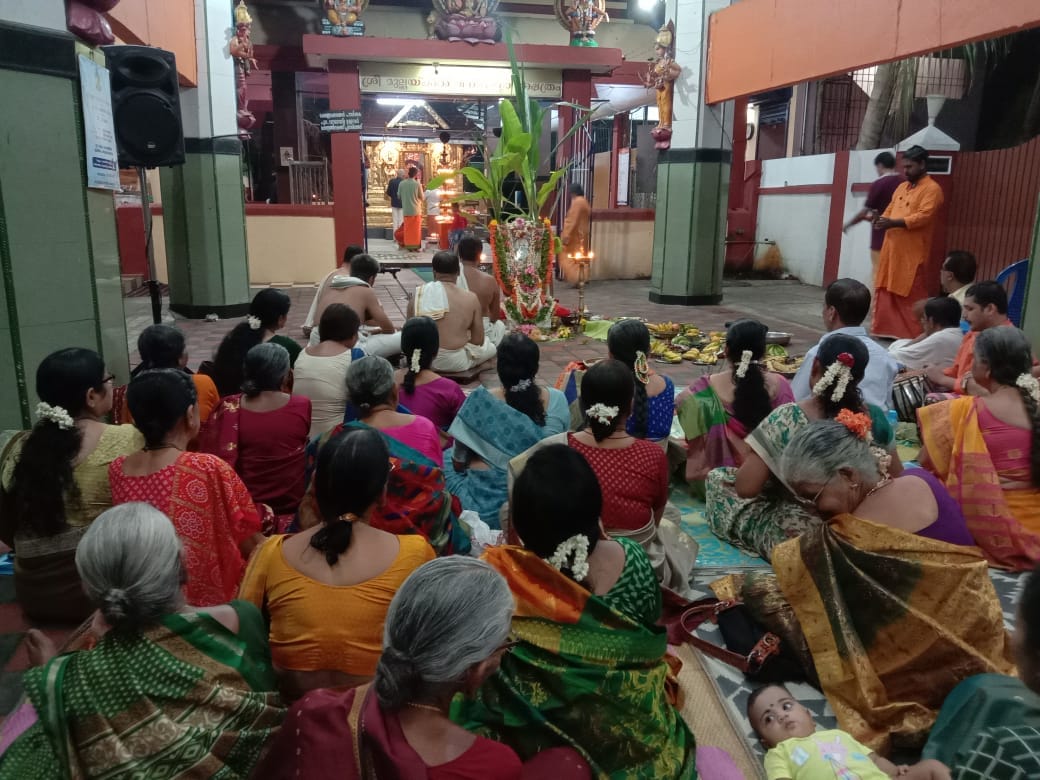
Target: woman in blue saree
column 494, row 426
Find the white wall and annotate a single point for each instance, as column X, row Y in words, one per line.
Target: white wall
column 795, row 171
column 798, row 223
column 38, row 13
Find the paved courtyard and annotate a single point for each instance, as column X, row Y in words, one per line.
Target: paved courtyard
column 782, row 305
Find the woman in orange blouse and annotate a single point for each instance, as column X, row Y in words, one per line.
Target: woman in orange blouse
column 325, row 591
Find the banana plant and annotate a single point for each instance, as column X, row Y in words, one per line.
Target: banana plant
column 518, row 151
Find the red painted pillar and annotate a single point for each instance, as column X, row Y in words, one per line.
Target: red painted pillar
column 836, row 217
column 348, row 206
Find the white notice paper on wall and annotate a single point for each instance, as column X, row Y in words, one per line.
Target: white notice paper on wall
column 98, row 128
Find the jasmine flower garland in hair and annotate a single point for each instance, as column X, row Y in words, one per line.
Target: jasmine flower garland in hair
column 56, row 415
column 578, row 548
column 839, row 374
column 520, row 386
column 416, row 355
column 602, row 413
column 254, row 322
column 745, row 363
column 641, row 368
column 1028, row 383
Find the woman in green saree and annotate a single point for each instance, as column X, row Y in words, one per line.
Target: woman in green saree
column 589, row 670
column 168, row 691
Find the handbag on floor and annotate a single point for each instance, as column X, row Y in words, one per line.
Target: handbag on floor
column 761, row 655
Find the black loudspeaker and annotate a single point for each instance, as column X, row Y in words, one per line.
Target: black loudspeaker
column 146, row 106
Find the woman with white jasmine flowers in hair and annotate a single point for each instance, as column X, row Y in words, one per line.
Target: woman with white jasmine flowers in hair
column 494, row 426
column 633, row 474
column 718, row 410
column 752, row 507
column 54, row 481
column 589, row 668
column 421, row 390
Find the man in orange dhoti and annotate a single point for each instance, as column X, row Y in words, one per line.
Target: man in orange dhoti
column 908, row 223
column 411, row 193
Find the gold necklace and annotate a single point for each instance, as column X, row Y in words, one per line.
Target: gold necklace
column 877, row 487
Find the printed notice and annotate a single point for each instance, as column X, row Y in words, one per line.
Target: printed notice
column 98, row 128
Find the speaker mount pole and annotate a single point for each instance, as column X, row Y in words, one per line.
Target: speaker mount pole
column 146, row 212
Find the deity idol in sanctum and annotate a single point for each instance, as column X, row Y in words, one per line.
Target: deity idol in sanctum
column 661, row 77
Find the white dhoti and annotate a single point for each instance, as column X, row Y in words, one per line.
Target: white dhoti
column 463, row 359
column 383, row 344
column 396, row 217
column 494, row 331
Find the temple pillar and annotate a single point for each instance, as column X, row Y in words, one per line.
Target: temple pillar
column 286, row 130
column 203, row 200
column 693, row 175
column 348, row 207
column 59, row 257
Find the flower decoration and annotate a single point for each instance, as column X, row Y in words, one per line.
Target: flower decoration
column 1028, row 383
column 745, row 363
column 641, row 368
column 838, row 375
column 55, row 414
column 572, row 554
column 254, row 322
column 857, row 422
column 602, row 413
column 415, row 364
column 520, row 386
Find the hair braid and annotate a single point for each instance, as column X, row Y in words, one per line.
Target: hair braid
column 1034, row 415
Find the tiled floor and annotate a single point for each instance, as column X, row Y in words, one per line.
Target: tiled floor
column 787, row 306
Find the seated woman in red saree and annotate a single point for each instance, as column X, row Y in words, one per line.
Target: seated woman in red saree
column 719, row 410
column 447, row 630
column 589, row 671
column 983, row 449
column 207, row 502
column 262, row 433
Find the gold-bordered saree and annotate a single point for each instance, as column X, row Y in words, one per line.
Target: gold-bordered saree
column 894, row 621
column 585, row 676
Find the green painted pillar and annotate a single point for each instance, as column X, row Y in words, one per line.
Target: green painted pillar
column 59, row 259
column 690, row 226
column 205, row 227
column 203, row 200
column 692, row 175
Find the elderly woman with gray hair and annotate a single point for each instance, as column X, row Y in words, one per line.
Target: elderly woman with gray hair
column 417, row 499
column 833, row 468
column 263, row 432
column 446, row 632
column 169, row 690
column 894, row 601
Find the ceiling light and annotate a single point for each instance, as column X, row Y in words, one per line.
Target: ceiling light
column 388, row 101
column 647, row 5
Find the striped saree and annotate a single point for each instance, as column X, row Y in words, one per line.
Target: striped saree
column 186, row 698
column 1003, row 521
column 584, row 676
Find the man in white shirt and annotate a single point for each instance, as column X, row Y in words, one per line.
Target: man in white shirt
column 846, row 304
column 940, row 341
column 958, row 274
